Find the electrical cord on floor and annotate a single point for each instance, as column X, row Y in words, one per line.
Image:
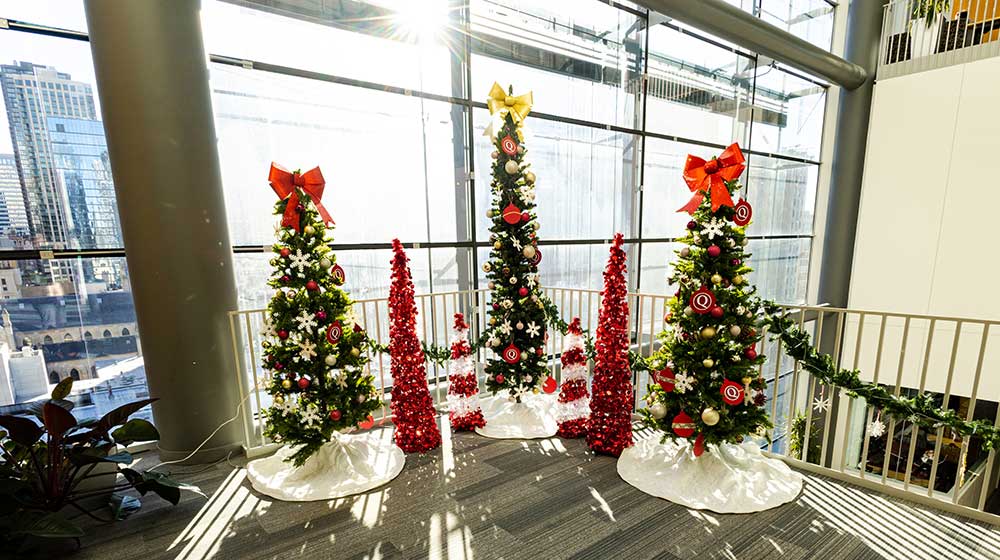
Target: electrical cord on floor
column 235, row 417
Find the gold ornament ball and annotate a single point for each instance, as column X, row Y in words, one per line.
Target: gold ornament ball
column 495, row 155
column 708, row 362
column 536, row 225
column 535, row 390
column 737, row 280
column 326, row 263
column 496, row 245
column 489, row 213
column 529, row 251
column 510, row 167
column 491, row 285
column 707, row 332
column 747, row 380
column 710, row 416
column 278, row 399
column 309, row 230
column 716, row 279
column 506, row 271
column 493, row 320
column 529, row 177
column 735, row 330
column 524, row 356
column 355, row 352
column 330, row 360
column 286, row 384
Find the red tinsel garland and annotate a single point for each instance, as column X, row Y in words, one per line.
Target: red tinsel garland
column 412, row 407
column 610, row 430
column 573, row 396
column 463, row 387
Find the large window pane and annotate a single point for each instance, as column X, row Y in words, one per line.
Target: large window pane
column 394, row 42
column 811, row 20
column 788, row 115
column 783, row 195
column 65, row 14
column 586, row 177
column 388, row 159
column 581, row 59
column 81, row 329
column 569, row 266
column 781, row 268
column 697, row 90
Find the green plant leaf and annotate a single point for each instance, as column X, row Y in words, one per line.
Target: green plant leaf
column 119, row 415
column 49, row 525
column 166, row 487
column 57, row 419
column 135, row 429
column 21, row 430
column 62, row 389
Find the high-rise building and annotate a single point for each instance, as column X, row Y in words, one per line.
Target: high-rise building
column 33, row 93
column 13, row 216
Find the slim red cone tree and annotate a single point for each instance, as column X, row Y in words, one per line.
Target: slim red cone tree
column 412, row 407
column 574, row 400
column 463, row 388
column 610, row 425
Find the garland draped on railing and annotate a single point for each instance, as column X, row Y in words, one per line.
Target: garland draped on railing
column 919, row 410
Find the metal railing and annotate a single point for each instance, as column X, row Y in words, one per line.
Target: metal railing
column 920, row 35
column 952, row 358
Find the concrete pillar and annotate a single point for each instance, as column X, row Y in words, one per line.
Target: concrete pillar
column 152, row 78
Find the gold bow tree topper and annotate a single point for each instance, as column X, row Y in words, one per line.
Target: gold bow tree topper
column 503, row 103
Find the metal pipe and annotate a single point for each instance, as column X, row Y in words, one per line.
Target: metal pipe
column 732, row 24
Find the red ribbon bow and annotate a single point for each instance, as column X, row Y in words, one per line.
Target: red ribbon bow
column 287, row 184
column 709, row 178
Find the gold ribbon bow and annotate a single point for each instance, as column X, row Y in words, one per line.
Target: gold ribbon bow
column 501, row 104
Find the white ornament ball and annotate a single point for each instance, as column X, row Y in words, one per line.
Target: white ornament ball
column 325, row 263
column 524, row 356
column 735, row 330
column 330, row 360
column 744, row 242
column 658, row 410
column 528, row 378
column 529, row 251
column 519, row 325
column 510, row 167
column 710, row 416
column 487, row 267
column 513, row 279
column 685, row 252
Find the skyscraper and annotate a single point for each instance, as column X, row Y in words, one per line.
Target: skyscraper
column 33, row 93
column 13, row 216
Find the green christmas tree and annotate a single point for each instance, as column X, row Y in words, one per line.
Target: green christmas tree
column 519, row 311
column 312, row 346
column 707, row 387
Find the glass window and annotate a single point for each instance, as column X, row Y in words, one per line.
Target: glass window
column 811, row 20
column 783, row 195
column 65, row 14
column 788, row 114
column 781, row 268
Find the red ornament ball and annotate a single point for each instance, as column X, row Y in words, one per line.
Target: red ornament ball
column 278, row 366
column 750, row 353
column 282, row 335
column 500, row 378
column 523, row 291
column 549, row 385
column 682, row 425
column 496, row 306
column 714, row 251
column 525, row 217
column 335, row 415
column 321, row 315
column 511, row 354
column 511, row 214
column 539, row 351
column 716, row 312
column 736, row 262
column 312, row 286
column 303, row 383
column 692, row 225
column 286, row 279
column 666, row 379
column 285, row 251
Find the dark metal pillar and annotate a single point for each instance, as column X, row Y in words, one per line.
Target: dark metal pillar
column 152, row 77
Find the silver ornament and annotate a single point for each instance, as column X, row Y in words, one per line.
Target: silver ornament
column 735, row 330
column 710, row 416
column 658, row 410
column 510, row 167
column 330, row 360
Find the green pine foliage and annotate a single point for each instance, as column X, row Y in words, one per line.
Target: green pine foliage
column 304, row 414
column 516, row 319
column 705, row 349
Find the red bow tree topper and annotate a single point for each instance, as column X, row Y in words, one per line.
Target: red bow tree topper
column 287, row 184
column 709, row 178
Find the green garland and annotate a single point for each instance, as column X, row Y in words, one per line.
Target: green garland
column 919, row 410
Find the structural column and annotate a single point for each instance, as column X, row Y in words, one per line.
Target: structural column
column 152, row 78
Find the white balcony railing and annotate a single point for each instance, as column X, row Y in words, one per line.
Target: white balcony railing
column 920, row 35
column 953, row 358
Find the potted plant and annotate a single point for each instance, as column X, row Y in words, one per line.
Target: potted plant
column 51, row 472
column 925, row 25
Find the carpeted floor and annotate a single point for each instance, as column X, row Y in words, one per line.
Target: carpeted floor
column 538, row 500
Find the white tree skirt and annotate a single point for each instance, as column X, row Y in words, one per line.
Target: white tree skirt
column 533, row 417
column 349, row 464
column 725, row 479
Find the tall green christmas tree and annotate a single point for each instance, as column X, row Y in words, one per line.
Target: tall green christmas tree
column 518, row 313
column 311, row 345
column 706, row 372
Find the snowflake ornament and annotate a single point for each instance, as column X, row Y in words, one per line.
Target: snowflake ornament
column 876, row 428
column 533, row 329
column 517, row 244
column 310, row 415
column 307, row 350
column 505, row 328
column 821, row 405
column 683, row 383
column 713, row 228
column 299, row 261
column 288, row 406
column 306, row 322
column 341, row 380
column 268, row 331
column 531, row 279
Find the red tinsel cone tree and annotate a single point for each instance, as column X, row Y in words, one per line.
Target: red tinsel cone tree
column 573, row 407
column 412, row 408
column 610, row 424
column 463, row 388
